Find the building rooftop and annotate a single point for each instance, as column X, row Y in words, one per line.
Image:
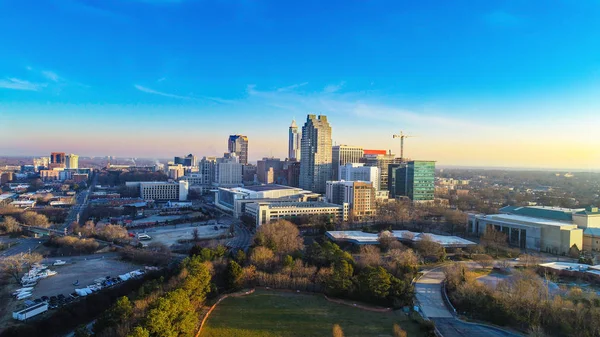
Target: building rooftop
column 553, row 213
column 530, row 219
column 269, row 187
column 592, row 231
column 6, row 196
column 590, row 211
column 362, row 238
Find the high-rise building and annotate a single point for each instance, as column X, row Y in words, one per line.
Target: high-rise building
column 359, row 172
column 292, row 169
column 57, row 160
column 360, row 195
column 42, row 162
column 315, row 157
column 188, row 161
column 238, row 144
column 266, row 165
column 207, row 170
column 228, row 171
column 72, row 161
column 414, row 179
column 294, row 142
column 381, row 160
column 342, row 154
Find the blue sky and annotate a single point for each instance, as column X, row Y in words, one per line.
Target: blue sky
column 501, row 83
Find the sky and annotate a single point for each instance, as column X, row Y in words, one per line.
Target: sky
column 511, row 83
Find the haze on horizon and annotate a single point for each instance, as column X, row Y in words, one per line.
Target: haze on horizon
column 494, row 83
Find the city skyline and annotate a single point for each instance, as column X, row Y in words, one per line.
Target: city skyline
column 494, row 84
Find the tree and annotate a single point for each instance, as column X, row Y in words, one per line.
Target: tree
column 430, row 249
column 234, row 275
column 14, row 266
column 118, row 313
column 398, row 331
column 494, row 240
column 82, row 331
column 574, row 251
column 386, row 239
column 282, row 237
column 337, row 331
column 374, row 283
column 35, row 219
column 288, row 261
column 172, row 315
column 139, row 331
column 240, row 257
column 262, row 257
column 455, row 221
column 195, row 235
column 403, row 261
column 10, row 225
column 370, row 256
column 485, row 261
column 340, row 281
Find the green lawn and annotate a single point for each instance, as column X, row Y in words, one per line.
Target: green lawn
column 270, row 314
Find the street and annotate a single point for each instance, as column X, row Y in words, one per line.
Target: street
column 80, row 205
column 19, row 246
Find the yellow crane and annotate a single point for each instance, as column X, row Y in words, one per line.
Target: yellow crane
column 402, row 136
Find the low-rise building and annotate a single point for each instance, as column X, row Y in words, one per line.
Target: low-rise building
column 359, row 195
column 161, row 190
column 267, row 211
column 23, row 203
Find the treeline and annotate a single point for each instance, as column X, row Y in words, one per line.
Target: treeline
column 523, row 301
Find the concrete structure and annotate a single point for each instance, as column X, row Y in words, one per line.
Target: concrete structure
column 315, row 161
column 175, row 171
column 547, row 229
column 6, row 177
column 294, row 140
column 41, row 163
column 343, row 154
column 269, row 171
column 161, row 190
column 359, row 195
column 228, row 171
column 414, row 179
column 375, row 158
column 23, row 203
column 234, row 199
column 49, row 175
column 72, row 161
column 359, row 172
column 238, row 144
column 57, row 158
column 267, row 211
column 362, row 238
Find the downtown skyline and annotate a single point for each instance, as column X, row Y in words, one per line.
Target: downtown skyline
column 496, row 84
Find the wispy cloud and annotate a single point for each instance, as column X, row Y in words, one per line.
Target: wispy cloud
column 501, row 19
column 52, row 76
column 160, row 93
column 292, row 87
column 18, row 84
column 331, row 88
column 161, row 79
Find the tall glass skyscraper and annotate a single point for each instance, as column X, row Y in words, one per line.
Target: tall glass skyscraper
column 414, row 179
column 315, row 157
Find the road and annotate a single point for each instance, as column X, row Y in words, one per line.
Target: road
column 80, row 204
column 429, row 295
column 21, row 246
column 242, row 239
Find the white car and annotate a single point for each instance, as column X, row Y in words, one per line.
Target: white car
column 59, row 263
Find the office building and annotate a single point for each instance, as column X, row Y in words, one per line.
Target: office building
column 41, row 163
column 264, row 212
column 175, row 171
column 6, row 177
column 414, row 179
column 188, row 161
column 72, row 161
column 270, row 171
column 50, row 175
column 546, row 229
column 228, row 171
column 342, row 154
column 381, row 160
column 294, row 142
column 315, row 157
column 249, row 174
column 359, row 195
column 238, row 144
column 161, row 190
column 292, row 169
column 359, row 172
column 57, row 160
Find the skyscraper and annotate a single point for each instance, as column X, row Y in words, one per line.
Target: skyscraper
column 57, row 160
column 415, row 180
column 381, row 160
column 342, row 154
column 294, row 142
column 72, row 161
column 238, row 144
column 315, row 157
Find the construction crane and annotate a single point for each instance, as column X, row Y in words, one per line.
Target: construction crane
column 402, row 136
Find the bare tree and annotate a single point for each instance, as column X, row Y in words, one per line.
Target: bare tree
column 370, row 256
column 398, row 331
column 529, row 260
column 429, row 248
column 494, row 240
column 337, row 331
column 195, row 235
column 34, row 219
column 485, row 261
column 14, row 266
column 281, row 236
column 10, row 225
column 262, row 257
column 386, row 239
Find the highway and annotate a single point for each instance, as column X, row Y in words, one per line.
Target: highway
column 21, row 246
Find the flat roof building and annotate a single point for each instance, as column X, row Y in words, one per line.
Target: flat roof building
column 161, row 190
column 362, row 238
column 267, row 211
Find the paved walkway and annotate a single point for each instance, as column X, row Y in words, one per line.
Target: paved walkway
column 429, row 295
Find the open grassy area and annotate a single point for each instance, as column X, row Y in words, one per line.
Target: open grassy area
column 270, row 313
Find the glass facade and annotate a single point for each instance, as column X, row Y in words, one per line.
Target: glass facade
column 420, row 180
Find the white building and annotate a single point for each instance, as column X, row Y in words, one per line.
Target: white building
column 294, row 142
column 315, row 158
column 343, row 154
column 267, row 211
column 228, row 171
column 161, row 190
column 175, row 171
column 359, row 195
column 359, row 172
column 72, row 161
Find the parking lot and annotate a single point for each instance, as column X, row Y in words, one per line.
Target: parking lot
column 86, row 271
column 171, row 234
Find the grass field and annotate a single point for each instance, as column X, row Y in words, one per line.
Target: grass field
column 269, row 314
